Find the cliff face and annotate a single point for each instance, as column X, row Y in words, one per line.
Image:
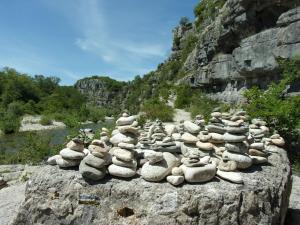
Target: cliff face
column 102, row 91
column 239, row 49
column 222, row 54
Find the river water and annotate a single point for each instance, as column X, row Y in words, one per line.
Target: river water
column 12, row 142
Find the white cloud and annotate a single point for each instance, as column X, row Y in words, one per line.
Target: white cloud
column 98, row 38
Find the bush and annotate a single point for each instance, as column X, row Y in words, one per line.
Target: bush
column 35, row 149
column 10, row 124
column 155, row 109
column 96, row 114
column 46, row 120
column 183, row 96
column 281, row 112
column 71, row 120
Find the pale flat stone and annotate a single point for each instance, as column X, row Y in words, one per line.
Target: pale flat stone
column 64, row 163
column 176, row 136
column 126, row 146
column 189, row 138
column 94, row 161
column 243, row 160
column 125, row 120
column 233, row 177
column 91, row 173
column 75, row 146
column 258, row 146
column 191, row 127
column 216, row 129
column 128, row 129
column 234, row 138
column 123, row 154
column 130, row 164
column 216, row 138
column 204, row 136
column 237, row 130
column 199, row 174
column 206, row 146
column 227, row 165
column 240, row 147
column 119, row 137
column 278, row 141
column 153, row 156
column 170, row 129
column 175, row 180
column 160, row 170
column 177, row 171
column 67, row 153
column 119, row 171
column 255, row 152
column 52, row 160
column 216, row 114
column 258, row 160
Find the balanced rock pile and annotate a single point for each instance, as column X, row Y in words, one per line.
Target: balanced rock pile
column 124, row 140
column 258, row 132
column 69, row 156
column 93, row 166
column 236, row 147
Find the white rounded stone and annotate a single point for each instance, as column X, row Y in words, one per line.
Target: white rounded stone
column 175, row 180
column 52, row 160
column 123, row 154
column 234, row 138
column 75, row 146
column 119, row 137
column 191, row 127
column 125, row 120
column 206, row 146
column 199, row 174
column 119, row 171
column 233, row 177
column 67, row 153
column 64, row 163
column 177, row 171
column 243, row 160
column 153, row 156
column 189, row 138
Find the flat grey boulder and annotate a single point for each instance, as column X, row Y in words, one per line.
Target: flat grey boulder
column 243, row 160
column 55, row 196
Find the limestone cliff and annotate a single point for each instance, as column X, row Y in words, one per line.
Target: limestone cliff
column 232, row 45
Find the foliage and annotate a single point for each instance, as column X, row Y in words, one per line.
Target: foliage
column 34, row 149
column 9, row 123
column 156, row 109
column 207, row 9
column 281, row 112
column 46, row 120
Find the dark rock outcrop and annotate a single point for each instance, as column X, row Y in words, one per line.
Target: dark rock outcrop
column 55, row 196
column 240, row 48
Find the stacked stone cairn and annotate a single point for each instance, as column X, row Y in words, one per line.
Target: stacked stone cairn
column 258, row 131
column 190, row 151
column 124, row 141
column 196, row 154
column 93, row 166
column 69, row 156
column 235, row 157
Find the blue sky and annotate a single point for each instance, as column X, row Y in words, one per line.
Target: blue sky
column 72, row 39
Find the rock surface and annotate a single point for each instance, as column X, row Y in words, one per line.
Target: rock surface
column 56, row 196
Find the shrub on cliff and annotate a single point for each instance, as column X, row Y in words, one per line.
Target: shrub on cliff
column 282, row 112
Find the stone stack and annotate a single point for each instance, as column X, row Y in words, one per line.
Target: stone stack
column 199, row 120
column 124, row 161
column 69, row 156
column 124, row 156
column 93, row 166
column 258, row 132
column 126, row 131
column 236, row 147
column 215, row 130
